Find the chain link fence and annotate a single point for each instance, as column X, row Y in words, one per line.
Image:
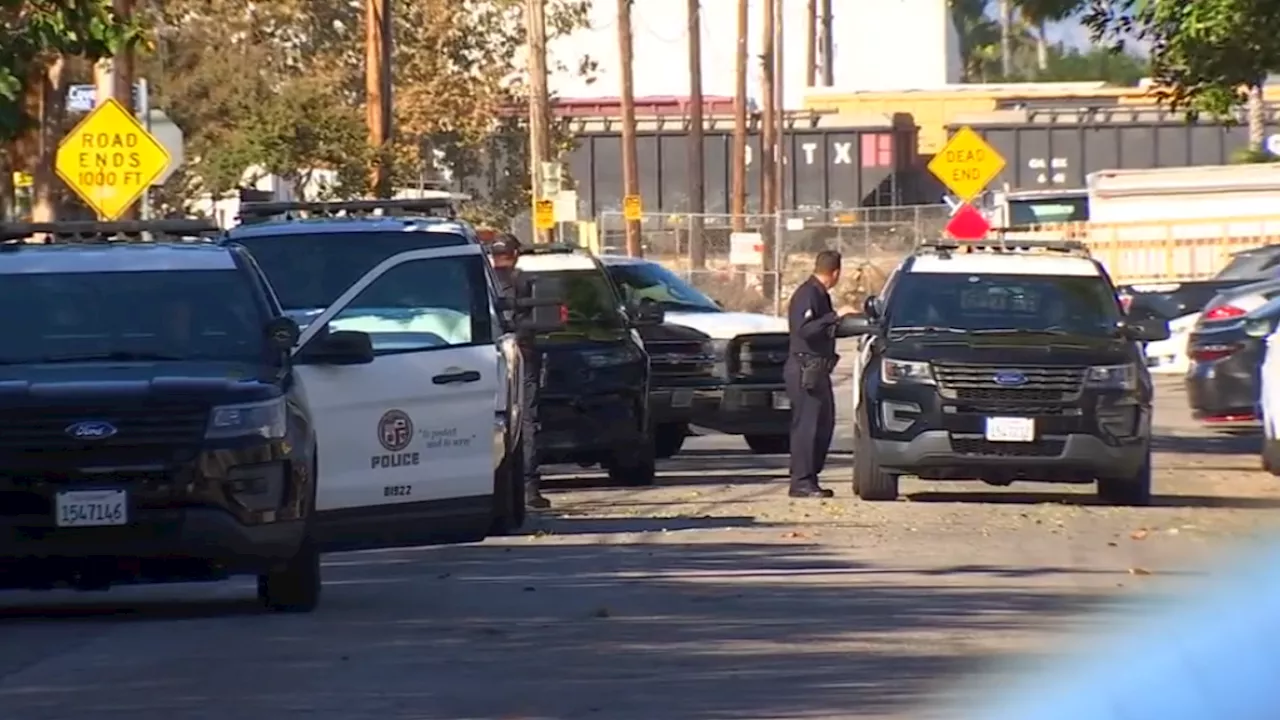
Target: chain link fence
column 872, row 241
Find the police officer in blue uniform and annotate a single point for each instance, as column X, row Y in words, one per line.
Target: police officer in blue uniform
column 812, row 323
column 504, row 251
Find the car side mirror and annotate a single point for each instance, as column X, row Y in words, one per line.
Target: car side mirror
column 853, row 326
column 1258, row 327
column 1149, row 330
column 871, row 307
column 341, row 347
column 647, row 313
column 544, row 306
column 282, row 334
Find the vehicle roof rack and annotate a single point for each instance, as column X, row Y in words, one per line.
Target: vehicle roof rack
column 1006, row 245
column 91, row 231
column 444, row 206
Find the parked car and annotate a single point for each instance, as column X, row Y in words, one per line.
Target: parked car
column 1223, row 381
column 1252, row 263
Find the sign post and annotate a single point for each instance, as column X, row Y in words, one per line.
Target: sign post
column 966, row 165
column 109, row 159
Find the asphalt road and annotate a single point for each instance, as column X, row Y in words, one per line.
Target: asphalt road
column 712, row 596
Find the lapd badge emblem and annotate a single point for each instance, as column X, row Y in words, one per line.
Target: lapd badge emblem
column 395, row 430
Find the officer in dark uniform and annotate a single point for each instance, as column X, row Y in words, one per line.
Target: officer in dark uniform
column 504, row 250
column 812, row 323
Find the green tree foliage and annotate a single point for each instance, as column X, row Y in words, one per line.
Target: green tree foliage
column 280, row 86
column 1209, row 56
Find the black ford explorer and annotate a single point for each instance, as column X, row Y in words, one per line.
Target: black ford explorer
column 149, row 431
column 1002, row 364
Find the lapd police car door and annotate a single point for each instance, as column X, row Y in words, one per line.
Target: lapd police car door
column 408, row 437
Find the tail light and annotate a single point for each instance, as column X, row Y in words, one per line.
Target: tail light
column 1224, row 312
column 1211, row 353
column 564, row 313
column 1126, row 302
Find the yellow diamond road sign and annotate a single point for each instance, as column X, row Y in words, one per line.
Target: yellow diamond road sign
column 110, row 159
column 967, row 164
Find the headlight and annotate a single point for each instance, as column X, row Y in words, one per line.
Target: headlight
column 259, row 419
column 893, row 371
column 719, row 348
column 612, row 357
column 1112, row 377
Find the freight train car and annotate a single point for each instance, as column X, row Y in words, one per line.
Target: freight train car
column 832, row 162
column 1059, row 147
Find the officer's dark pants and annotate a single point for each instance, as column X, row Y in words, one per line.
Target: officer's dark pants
column 529, row 428
column 813, row 422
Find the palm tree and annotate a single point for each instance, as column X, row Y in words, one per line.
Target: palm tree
column 979, row 37
column 1037, row 14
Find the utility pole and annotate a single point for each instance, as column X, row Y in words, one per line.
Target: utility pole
column 630, row 169
column 828, row 46
column 811, row 44
column 1006, row 39
column 773, row 259
column 738, row 200
column 768, row 138
column 539, row 105
column 697, row 151
column 118, row 81
column 377, row 83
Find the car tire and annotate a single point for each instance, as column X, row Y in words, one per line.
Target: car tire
column 870, row 481
column 668, row 439
column 1134, row 490
column 634, row 467
column 769, row 444
column 294, row 587
column 508, row 493
column 1271, row 456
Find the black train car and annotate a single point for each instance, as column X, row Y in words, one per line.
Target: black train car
column 832, row 162
column 1059, row 147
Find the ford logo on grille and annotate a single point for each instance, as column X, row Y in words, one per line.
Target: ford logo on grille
column 91, row 430
column 1010, row 378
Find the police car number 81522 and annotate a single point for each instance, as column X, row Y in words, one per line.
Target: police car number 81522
column 92, row 508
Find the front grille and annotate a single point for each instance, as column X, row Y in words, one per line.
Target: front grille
column 1039, row 448
column 977, row 383
column 680, row 360
column 140, row 429
column 758, row 358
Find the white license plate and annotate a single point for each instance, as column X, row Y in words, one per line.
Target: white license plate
column 92, row 508
column 1011, row 429
column 682, row 398
column 781, row 401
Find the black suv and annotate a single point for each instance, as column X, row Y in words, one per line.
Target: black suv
column 593, row 405
column 1003, row 363
column 149, row 431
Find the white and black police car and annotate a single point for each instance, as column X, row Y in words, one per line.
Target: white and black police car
column 1003, row 361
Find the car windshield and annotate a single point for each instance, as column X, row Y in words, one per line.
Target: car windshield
column 311, row 271
column 1016, row 303
column 143, row 316
column 589, row 299
column 651, row 281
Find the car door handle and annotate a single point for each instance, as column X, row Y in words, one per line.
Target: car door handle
column 466, row 376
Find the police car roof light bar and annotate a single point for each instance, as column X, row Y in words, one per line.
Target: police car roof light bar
column 89, row 231
column 444, row 206
column 556, row 248
column 1071, row 247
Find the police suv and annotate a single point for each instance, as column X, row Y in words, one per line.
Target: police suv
column 1003, row 361
column 152, row 423
column 593, row 405
column 419, row 439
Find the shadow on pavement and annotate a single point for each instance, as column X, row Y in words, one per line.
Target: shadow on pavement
column 1083, row 499
column 1208, row 444
column 569, row 524
column 697, row 631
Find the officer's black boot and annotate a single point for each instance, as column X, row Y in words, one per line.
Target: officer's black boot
column 809, row 489
column 533, row 497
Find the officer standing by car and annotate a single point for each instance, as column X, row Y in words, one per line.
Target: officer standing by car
column 812, row 323
column 504, row 250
